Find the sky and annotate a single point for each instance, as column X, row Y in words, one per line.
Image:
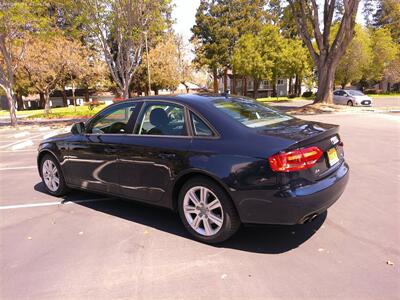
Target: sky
column 184, row 14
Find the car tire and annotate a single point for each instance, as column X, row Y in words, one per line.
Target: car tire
column 52, row 176
column 213, row 219
column 350, row 103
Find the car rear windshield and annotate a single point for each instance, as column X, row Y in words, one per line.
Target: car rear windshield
column 250, row 112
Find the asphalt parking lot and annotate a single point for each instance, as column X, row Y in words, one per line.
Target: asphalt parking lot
column 386, row 103
column 89, row 246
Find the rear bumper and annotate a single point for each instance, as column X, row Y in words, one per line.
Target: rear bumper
column 293, row 206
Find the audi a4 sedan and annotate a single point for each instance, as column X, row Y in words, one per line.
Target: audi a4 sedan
column 218, row 160
column 351, row 97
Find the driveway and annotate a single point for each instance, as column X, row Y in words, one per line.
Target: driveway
column 89, row 246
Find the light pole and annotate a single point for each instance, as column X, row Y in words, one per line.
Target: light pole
column 147, row 58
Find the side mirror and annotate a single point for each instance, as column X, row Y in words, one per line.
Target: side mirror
column 78, row 128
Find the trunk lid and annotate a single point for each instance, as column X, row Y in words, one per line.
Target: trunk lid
column 301, row 134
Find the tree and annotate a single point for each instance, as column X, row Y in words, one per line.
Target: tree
column 325, row 54
column 96, row 76
column 295, row 63
column 219, row 25
column 384, row 50
column 354, row 64
column 387, row 15
column 118, row 28
column 248, row 60
column 17, row 20
column 164, row 65
column 259, row 56
column 48, row 60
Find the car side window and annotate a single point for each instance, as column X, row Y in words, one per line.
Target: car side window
column 200, row 128
column 113, row 121
column 163, row 119
column 336, row 93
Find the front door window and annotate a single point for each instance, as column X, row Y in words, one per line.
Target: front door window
column 113, row 121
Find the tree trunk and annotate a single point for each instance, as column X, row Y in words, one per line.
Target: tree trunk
column 215, row 78
column 46, row 102
column 255, row 88
column 155, row 91
column 42, row 100
column 86, row 94
column 11, row 104
column 234, row 84
column 225, row 80
column 274, row 93
column 290, row 85
column 244, row 83
column 73, row 95
column 20, row 102
column 125, row 92
column 326, row 77
column 299, row 82
column 296, row 85
column 64, row 96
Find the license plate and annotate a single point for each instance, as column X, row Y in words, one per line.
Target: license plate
column 332, row 156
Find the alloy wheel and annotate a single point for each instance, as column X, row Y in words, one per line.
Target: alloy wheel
column 203, row 211
column 50, row 175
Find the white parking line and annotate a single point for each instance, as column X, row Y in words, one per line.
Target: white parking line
column 11, row 144
column 18, row 168
column 4, row 207
column 18, row 151
column 21, row 134
column 22, row 145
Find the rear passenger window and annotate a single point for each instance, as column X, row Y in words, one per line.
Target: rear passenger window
column 199, row 127
column 163, row 119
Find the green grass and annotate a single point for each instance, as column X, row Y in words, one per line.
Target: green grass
column 55, row 113
column 377, row 96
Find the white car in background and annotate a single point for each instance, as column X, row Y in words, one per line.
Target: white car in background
column 351, row 97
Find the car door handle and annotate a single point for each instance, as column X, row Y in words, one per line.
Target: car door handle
column 166, row 155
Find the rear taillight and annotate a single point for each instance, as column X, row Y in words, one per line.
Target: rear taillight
column 295, row 160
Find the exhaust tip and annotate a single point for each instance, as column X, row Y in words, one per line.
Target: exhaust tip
column 309, row 218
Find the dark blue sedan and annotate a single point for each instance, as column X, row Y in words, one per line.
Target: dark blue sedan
column 218, row 160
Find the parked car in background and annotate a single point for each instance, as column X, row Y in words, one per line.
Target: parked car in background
column 351, row 98
column 218, row 161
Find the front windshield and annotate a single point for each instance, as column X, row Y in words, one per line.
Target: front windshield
column 355, row 93
column 251, row 113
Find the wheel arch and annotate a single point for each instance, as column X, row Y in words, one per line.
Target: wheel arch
column 181, row 180
column 40, row 156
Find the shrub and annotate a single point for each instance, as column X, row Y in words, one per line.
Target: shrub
column 91, row 105
column 307, row 94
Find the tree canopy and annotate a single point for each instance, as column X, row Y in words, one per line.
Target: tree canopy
column 356, row 62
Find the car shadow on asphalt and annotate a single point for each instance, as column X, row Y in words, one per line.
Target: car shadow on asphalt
column 268, row 239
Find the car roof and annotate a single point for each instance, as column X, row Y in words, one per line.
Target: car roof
column 187, row 98
column 192, row 100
